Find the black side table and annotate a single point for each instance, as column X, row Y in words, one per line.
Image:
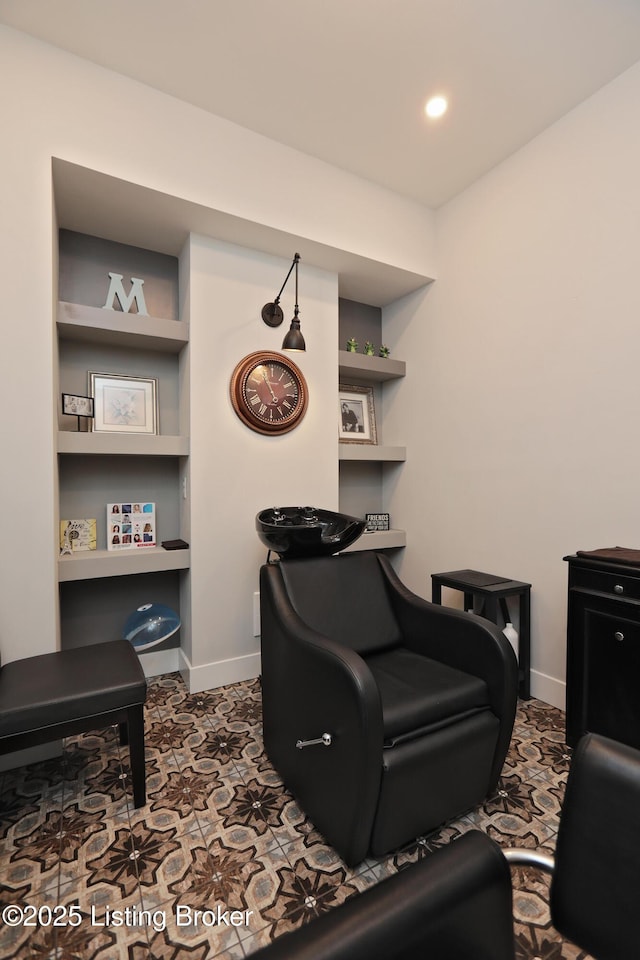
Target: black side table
column 493, row 592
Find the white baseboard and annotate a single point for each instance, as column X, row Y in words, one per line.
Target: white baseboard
column 220, row 673
column 158, row 662
column 548, row 689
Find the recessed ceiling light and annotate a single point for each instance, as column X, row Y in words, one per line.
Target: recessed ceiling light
column 436, row 106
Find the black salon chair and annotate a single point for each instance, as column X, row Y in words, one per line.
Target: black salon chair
column 384, row 714
column 456, row 903
column 60, row 694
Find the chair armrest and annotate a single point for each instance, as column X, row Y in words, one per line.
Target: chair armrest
column 312, row 686
column 466, row 642
column 454, row 903
column 461, row 640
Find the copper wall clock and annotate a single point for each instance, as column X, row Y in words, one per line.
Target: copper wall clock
column 268, row 392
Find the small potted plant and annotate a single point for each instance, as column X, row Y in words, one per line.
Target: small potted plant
column 352, row 345
column 369, row 348
column 384, row 352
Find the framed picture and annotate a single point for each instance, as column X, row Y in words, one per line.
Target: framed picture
column 124, row 404
column 356, row 416
column 76, row 406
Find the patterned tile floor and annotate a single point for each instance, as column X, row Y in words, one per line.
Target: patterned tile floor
column 220, row 829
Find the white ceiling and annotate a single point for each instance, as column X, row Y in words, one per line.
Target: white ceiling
column 346, row 80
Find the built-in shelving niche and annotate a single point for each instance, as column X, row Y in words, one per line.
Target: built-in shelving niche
column 362, row 466
column 100, row 588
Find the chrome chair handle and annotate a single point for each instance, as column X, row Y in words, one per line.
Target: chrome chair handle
column 524, row 857
column 325, row 740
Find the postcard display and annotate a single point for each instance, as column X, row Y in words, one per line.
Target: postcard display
column 131, row 525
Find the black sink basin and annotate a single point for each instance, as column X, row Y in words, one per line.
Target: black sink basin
column 307, row 531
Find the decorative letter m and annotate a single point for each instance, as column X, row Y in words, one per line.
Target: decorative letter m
column 135, row 294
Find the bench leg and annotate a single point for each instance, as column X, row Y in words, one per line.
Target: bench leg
column 135, row 729
column 124, row 734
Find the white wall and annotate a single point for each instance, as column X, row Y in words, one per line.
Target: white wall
column 524, row 361
column 54, row 104
column 236, row 472
column 70, row 108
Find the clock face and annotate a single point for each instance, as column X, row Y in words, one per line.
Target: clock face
column 268, row 392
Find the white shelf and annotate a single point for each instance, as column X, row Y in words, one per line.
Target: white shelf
column 380, row 540
column 93, row 564
column 371, row 452
column 122, row 444
column 96, row 325
column 358, row 366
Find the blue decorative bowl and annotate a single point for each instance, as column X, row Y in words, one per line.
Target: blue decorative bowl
column 149, row 625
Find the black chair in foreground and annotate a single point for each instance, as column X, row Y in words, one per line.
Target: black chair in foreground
column 455, row 904
column 384, row 714
column 56, row 695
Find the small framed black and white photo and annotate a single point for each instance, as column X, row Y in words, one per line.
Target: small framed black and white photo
column 76, row 406
column 356, row 415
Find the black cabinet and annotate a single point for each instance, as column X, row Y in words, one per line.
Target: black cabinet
column 603, row 650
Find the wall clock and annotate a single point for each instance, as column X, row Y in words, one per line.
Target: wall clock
column 268, row 392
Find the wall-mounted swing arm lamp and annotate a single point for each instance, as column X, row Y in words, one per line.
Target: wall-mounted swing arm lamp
column 273, row 316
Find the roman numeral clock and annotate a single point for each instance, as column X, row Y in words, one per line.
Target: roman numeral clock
column 268, row 392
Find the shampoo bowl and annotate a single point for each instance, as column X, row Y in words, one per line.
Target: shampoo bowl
column 307, row 531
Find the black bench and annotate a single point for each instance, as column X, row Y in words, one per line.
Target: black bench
column 56, row 695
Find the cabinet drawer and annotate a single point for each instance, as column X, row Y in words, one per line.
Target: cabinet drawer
column 613, row 584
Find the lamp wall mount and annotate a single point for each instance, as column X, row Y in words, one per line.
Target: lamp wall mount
column 273, row 316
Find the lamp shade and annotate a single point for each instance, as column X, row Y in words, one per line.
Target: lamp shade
column 149, row 625
column 294, row 339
